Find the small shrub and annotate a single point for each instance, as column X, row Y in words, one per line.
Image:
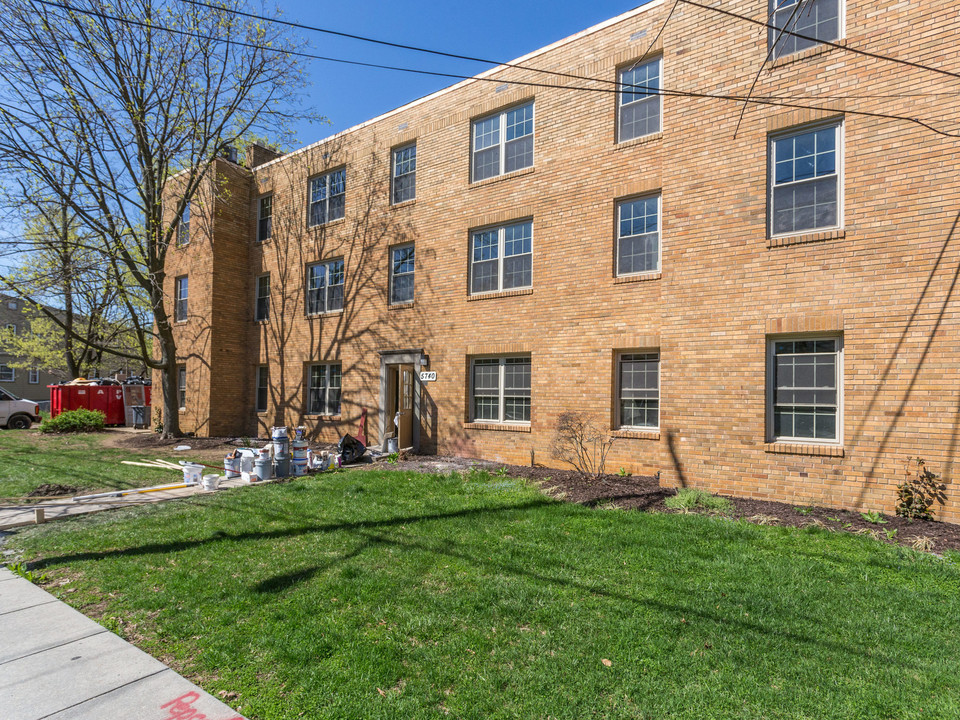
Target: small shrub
column 579, row 442
column 804, row 510
column 75, row 421
column 921, row 489
column 690, row 499
column 623, row 472
column 393, row 458
column 891, row 534
column 922, row 543
column 502, row 472
column 873, row 517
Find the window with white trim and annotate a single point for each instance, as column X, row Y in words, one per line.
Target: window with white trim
column 182, row 386
column 265, row 218
column 327, row 195
column 181, row 290
column 325, row 287
column 501, row 258
column 33, row 376
column 402, row 269
column 500, row 389
column 263, row 380
column 404, row 174
column 323, row 389
column 804, row 388
column 7, row 374
column 816, row 20
column 12, row 328
column 638, row 101
column 638, row 236
column 805, row 180
column 183, row 229
column 502, row 143
column 638, row 389
column 262, row 310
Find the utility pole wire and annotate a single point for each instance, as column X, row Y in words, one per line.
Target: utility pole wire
column 660, row 91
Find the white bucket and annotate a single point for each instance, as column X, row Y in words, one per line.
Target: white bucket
column 281, row 443
column 300, row 466
column 210, row 482
column 192, row 473
column 231, row 466
column 392, row 446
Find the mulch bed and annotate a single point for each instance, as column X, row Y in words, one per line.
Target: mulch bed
column 645, row 494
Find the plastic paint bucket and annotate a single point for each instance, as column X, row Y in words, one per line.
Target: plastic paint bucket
column 283, row 465
column 281, row 443
column 231, row 466
column 392, row 446
column 262, row 468
column 210, row 482
column 192, row 473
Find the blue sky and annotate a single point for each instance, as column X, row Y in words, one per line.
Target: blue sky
column 497, row 29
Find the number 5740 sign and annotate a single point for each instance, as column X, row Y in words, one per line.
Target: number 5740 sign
column 428, row 376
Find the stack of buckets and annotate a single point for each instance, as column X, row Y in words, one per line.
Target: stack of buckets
column 299, row 451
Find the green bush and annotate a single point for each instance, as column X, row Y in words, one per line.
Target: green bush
column 75, row 421
column 690, row 499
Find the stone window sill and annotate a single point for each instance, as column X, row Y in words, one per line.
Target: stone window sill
column 329, row 418
column 805, row 54
column 400, row 305
column 404, row 204
column 496, row 427
column 327, row 225
column 633, row 142
column 788, row 448
column 502, row 294
column 500, row 178
column 314, row 316
column 640, row 277
column 805, row 238
column 636, row 434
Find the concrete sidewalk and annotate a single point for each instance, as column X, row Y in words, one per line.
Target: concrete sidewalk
column 58, row 664
column 20, row 514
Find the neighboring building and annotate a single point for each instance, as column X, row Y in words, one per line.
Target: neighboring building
column 770, row 313
column 29, row 384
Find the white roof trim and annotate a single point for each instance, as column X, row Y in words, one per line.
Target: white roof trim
column 486, row 73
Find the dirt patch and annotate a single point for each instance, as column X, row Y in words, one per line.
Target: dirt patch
column 635, row 492
column 52, row 489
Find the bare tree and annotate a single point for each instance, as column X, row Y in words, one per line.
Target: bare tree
column 578, row 441
column 114, row 105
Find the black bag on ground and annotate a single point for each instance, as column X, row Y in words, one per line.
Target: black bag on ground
column 350, row 449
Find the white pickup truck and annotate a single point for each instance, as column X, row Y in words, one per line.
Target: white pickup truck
column 17, row 414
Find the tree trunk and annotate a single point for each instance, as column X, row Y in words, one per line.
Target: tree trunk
column 168, row 376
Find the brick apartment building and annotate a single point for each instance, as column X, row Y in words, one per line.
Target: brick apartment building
column 764, row 307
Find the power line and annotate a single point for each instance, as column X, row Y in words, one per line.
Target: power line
column 774, row 101
column 828, row 43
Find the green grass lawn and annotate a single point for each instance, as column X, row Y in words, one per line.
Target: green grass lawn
column 369, row 594
column 29, row 459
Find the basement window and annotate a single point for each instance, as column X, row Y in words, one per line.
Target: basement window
column 804, row 389
column 323, row 389
column 500, row 389
column 325, row 287
column 327, row 194
column 502, row 143
column 501, row 258
column 816, row 20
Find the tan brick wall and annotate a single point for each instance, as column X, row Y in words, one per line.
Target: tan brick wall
column 886, row 281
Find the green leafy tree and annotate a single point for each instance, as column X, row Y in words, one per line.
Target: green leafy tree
column 114, row 106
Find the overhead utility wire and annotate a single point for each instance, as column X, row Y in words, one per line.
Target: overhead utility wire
column 839, row 46
column 572, row 76
column 650, row 91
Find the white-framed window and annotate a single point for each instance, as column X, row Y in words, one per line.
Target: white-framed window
column 12, row 328
column 816, row 20
column 263, row 384
column 181, row 291
column 265, row 218
column 325, row 287
column 404, row 174
column 501, row 258
column 402, row 267
column 639, row 107
column 33, row 376
column 262, row 310
column 182, row 386
column 806, row 180
column 327, row 195
column 500, row 389
column 638, row 235
column 638, row 390
column 804, row 389
column 7, row 373
column 502, row 142
column 323, row 389
column 183, row 229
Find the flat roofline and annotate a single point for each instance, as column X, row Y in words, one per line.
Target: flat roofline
column 486, row 73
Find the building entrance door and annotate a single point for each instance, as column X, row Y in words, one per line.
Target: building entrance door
column 400, row 397
column 400, row 402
